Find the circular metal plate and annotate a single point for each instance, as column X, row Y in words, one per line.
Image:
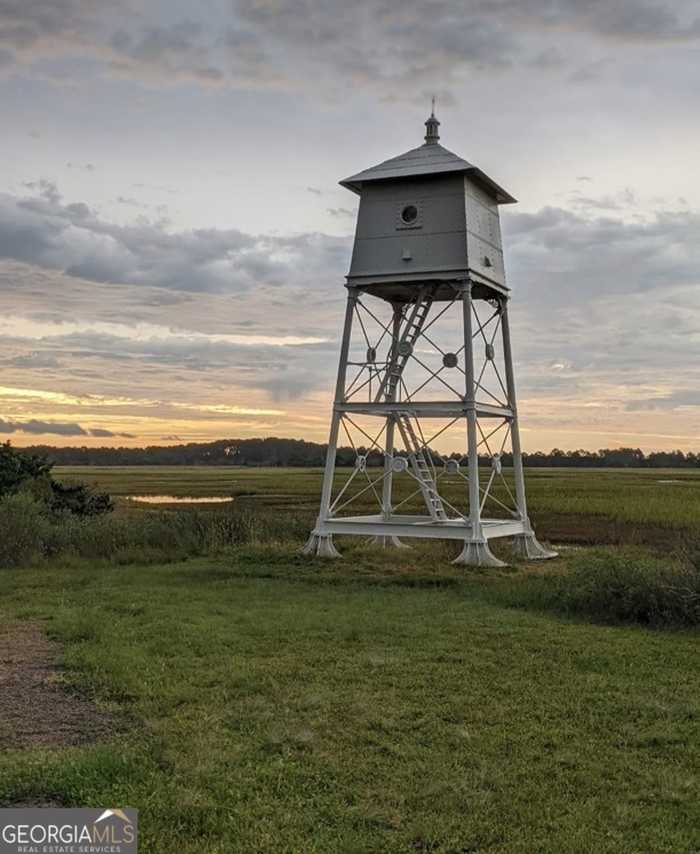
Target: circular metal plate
column 399, row 464
column 449, row 360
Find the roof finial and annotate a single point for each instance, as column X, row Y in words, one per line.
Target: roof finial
column 431, row 135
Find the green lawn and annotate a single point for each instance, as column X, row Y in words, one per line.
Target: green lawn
column 378, row 704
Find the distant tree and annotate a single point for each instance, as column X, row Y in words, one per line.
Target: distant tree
column 274, row 451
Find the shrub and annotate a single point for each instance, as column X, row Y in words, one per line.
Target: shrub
column 29, row 473
column 631, row 589
column 79, row 499
column 16, row 468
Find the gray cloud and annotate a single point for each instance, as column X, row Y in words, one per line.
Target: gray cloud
column 550, row 57
column 574, row 256
column 626, row 20
column 341, row 213
column 102, row 433
column 676, row 400
column 35, row 360
column 54, row 428
column 619, row 201
column 58, row 428
column 179, row 50
column 285, row 372
column 380, row 44
column 42, row 230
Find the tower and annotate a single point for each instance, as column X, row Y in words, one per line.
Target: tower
column 425, row 359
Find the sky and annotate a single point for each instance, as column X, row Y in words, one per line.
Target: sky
column 174, row 241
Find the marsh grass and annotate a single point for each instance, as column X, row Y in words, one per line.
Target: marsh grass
column 632, row 498
column 33, row 537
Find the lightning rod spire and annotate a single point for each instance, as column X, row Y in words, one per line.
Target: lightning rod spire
column 431, row 134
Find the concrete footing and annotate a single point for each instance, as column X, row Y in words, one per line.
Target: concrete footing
column 320, row 545
column 477, row 553
column 526, row 547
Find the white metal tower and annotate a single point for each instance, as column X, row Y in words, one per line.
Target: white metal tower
column 426, row 353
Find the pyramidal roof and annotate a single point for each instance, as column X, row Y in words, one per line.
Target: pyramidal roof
column 429, row 159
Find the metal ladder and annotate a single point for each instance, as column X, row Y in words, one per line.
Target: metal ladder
column 411, row 332
column 388, row 389
column 422, row 470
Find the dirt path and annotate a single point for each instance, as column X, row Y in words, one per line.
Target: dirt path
column 35, row 709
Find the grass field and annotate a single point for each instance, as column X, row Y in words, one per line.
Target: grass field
column 389, row 702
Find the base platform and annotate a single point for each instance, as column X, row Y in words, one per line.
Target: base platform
column 419, row 526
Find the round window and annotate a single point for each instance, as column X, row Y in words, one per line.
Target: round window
column 409, row 214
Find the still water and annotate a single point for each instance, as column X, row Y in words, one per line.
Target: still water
column 179, row 499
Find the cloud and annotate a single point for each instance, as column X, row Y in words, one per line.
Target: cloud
column 340, row 213
column 549, row 58
column 676, row 400
column 43, row 230
column 58, row 428
column 622, row 200
column 180, row 50
column 35, row 360
column 288, row 44
column 606, row 310
column 34, row 426
column 575, row 256
column 102, row 433
column 626, row 21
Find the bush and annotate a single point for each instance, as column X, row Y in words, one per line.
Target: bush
column 16, row 468
column 79, row 499
column 612, row 588
column 29, row 473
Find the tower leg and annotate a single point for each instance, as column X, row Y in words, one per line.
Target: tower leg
column 384, row 540
column 525, row 546
column 319, row 543
column 476, row 550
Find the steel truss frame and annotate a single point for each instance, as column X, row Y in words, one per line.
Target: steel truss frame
column 378, row 388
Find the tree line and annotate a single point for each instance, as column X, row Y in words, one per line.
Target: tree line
column 297, row 452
